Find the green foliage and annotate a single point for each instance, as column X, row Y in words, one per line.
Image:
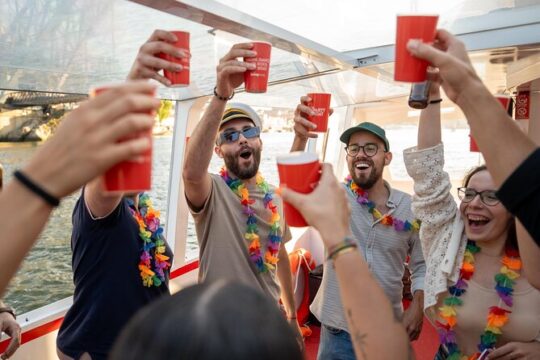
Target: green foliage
column 164, row 110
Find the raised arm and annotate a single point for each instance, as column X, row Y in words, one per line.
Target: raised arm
column 84, row 146
column 528, row 249
column 487, row 119
column 429, row 127
column 368, row 311
column 302, row 125
column 230, row 75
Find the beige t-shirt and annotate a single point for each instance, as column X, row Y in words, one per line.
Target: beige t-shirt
column 523, row 324
column 221, row 226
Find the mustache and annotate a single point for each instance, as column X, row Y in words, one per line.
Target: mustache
column 365, row 160
column 244, row 148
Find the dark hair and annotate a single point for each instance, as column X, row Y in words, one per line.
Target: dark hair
column 511, row 240
column 219, row 320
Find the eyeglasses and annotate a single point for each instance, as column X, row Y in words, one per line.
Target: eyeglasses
column 369, row 149
column 488, row 197
column 233, row 136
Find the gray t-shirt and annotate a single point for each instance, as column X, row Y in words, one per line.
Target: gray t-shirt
column 385, row 251
column 221, row 226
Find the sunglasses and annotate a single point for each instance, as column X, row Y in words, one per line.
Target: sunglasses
column 233, row 136
column 488, row 197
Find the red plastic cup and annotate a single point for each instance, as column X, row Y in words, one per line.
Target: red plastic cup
column 320, row 103
column 180, row 78
column 504, row 100
column 408, row 68
column 257, row 80
column 134, row 175
column 298, row 171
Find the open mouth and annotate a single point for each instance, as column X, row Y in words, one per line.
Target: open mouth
column 245, row 154
column 477, row 221
column 362, row 165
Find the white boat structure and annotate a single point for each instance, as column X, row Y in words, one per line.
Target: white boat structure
column 342, row 47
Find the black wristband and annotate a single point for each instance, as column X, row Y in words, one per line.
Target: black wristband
column 222, row 98
column 36, row 189
column 7, row 309
column 435, row 101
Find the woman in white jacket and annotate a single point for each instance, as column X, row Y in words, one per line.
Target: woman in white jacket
column 476, row 294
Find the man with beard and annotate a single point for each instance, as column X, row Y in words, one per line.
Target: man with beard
column 383, row 227
column 238, row 220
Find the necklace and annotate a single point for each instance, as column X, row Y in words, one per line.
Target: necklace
column 151, row 233
column 252, row 232
column 388, row 220
column 497, row 316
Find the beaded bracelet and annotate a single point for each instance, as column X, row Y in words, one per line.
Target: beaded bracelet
column 347, row 243
column 7, row 309
column 36, row 189
column 222, row 98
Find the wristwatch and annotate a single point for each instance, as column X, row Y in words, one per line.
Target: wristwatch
column 8, row 309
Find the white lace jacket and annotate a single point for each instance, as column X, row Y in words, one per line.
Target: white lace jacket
column 442, row 232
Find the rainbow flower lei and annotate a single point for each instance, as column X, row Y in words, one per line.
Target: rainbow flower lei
column 151, row 233
column 388, row 220
column 274, row 239
column 497, row 316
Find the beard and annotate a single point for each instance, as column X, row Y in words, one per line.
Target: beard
column 366, row 181
column 232, row 163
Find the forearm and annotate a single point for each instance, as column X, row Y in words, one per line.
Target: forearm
column 299, row 144
column 285, row 281
column 20, row 231
column 429, row 128
column 369, row 314
column 202, row 141
column 488, row 122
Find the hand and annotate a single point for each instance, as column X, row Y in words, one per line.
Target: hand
column 230, row 71
column 413, row 319
column 12, row 328
column 450, row 56
column 330, row 218
column 147, row 63
column 302, row 126
column 297, row 332
column 435, row 79
column 516, row 351
column 87, row 141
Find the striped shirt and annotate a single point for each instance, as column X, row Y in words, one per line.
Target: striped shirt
column 385, row 251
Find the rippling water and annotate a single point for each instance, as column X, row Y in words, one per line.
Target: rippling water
column 46, row 276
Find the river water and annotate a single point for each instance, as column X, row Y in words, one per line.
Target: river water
column 46, row 275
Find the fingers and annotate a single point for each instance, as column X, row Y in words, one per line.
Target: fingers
column 239, row 50
column 127, row 125
column 158, row 47
column 427, row 52
column 162, row 35
column 305, row 123
column 15, row 332
column 132, row 87
column 127, row 149
column 156, row 63
column 146, row 73
column 130, row 103
column 304, row 109
column 294, row 198
column 501, row 352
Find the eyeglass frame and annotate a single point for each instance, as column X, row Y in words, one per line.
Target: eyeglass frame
column 223, row 136
column 463, row 189
column 363, row 148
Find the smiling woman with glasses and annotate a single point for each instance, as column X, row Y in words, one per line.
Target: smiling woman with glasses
column 488, row 197
column 475, row 292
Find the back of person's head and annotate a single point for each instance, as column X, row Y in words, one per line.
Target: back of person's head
column 220, row 320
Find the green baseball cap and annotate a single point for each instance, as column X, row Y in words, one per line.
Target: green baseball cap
column 369, row 127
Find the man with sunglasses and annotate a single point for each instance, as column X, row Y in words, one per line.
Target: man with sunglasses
column 384, row 228
column 238, row 219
